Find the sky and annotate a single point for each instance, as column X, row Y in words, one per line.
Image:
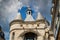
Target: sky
column 9, row 10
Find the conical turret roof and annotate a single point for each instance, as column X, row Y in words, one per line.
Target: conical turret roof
column 39, row 16
column 29, row 18
column 18, row 17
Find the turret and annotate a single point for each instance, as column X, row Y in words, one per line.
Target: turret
column 39, row 16
column 18, row 17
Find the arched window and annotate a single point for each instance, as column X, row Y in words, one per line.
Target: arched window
column 30, row 36
column 13, row 34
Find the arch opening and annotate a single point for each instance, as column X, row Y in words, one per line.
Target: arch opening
column 30, row 36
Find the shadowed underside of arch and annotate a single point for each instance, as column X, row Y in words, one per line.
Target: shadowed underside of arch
column 30, row 36
column 35, row 32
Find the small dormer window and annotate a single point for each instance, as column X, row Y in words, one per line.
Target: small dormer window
column 38, row 25
column 29, row 16
column 13, row 34
column 29, row 11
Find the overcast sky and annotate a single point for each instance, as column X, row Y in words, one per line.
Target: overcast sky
column 9, row 10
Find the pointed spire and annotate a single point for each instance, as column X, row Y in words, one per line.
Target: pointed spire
column 39, row 16
column 18, row 17
column 28, row 15
column 29, row 18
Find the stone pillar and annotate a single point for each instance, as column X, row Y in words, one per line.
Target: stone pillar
column 10, row 36
column 46, row 36
column 40, row 38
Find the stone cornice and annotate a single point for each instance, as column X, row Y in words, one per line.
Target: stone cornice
column 28, row 29
column 26, row 22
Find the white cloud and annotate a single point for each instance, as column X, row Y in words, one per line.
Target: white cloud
column 0, row 0
column 36, row 8
column 10, row 9
column 14, row 6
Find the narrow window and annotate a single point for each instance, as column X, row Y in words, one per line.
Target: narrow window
column 38, row 25
column 13, row 34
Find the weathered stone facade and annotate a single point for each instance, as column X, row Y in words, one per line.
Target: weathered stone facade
column 40, row 28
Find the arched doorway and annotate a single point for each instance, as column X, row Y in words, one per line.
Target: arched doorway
column 30, row 36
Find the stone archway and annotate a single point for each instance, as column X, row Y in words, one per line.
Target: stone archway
column 22, row 34
column 30, row 36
